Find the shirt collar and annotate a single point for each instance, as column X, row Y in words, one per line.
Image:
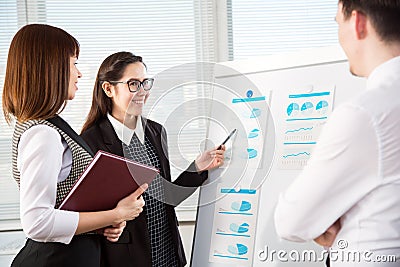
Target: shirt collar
column 386, row 72
column 124, row 133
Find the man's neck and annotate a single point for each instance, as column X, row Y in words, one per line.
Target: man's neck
column 378, row 53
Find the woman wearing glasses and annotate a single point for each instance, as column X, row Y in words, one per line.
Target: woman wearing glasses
column 115, row 124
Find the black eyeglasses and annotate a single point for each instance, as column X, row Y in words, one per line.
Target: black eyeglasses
column 134, row 85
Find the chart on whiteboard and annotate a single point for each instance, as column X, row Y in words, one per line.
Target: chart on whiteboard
column 233, row 233
column 305, row 115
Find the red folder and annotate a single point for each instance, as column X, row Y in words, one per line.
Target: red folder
column 106, row 180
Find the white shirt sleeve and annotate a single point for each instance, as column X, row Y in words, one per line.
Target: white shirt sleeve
column 40, row 156
column 342, row 170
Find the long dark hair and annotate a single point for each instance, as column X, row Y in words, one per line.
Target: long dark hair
column 112, row 69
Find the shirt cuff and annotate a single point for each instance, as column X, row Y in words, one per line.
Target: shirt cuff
column 67, row 223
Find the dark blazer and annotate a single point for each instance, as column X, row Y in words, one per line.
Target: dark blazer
column 133, row 247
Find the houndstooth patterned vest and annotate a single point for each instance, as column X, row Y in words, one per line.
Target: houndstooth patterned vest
column 80, row 157
column 162, row 248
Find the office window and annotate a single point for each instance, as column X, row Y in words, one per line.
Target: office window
column 259, row 27
column 164, row 33
column 8, row 189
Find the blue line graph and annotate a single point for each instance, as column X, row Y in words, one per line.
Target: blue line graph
column 296, row 155
column 300, row 129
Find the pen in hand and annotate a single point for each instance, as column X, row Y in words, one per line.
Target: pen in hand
column 226, row 140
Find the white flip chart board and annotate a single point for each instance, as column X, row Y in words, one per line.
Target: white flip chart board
column 278, row 104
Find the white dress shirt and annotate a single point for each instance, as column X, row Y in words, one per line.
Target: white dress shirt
column 124, row 133
column 44, row 159
column 354, row 175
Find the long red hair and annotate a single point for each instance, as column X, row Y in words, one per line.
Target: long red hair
column 38, row 72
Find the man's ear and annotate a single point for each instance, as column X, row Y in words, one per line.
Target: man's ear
column 107, row 88
column 361, row 24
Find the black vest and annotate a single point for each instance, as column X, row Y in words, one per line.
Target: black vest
column 81, row 153
column 83, row 250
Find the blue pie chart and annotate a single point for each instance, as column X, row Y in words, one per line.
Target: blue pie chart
column 307, row 108
column 252, row 153
column 238, row 249
column 253, row 133
column 256, row 112
column 243, row 228
column 292, row 109
column 241, row 206
column 322, row 107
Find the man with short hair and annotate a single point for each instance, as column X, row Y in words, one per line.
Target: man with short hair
column 348, row 196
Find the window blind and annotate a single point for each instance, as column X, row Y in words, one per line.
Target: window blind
column 164, row 33
column 9, row 200
column 262, row 27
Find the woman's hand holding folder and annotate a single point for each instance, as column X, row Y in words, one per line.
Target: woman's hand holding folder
column 131, row 206
column 127, row 209
column 114, row 232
